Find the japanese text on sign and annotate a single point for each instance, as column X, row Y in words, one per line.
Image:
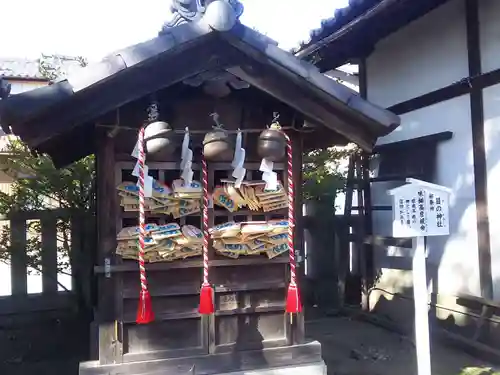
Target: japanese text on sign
column 419, row 211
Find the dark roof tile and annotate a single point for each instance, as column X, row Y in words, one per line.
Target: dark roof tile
column 24, row 68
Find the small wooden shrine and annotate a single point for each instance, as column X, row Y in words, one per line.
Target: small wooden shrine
column 205, row 69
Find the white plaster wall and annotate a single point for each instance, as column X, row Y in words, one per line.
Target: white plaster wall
column 491, row 99
column 489, row 29
column 455, row 258
column 427, row 55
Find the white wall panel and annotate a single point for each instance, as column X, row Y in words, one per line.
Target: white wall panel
column 489, row 29
column 455, row 256
column 428, row 54
column 491, row 98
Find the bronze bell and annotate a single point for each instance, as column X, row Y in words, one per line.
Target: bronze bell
column 217, row 146
column 158, row 139
column 272, row 144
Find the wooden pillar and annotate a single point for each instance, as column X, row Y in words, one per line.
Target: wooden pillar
column 107, row 312
column 479, row 149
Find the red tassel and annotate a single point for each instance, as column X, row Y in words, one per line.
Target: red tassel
column 293, row 304
column 206, row 300
column 145, row 312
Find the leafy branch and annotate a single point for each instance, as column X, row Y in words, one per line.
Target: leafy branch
column 39, row 186
column 324, row 174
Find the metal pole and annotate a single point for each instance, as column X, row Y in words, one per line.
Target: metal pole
column 420, row 296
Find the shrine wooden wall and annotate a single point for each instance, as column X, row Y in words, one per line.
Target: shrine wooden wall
column 250, row 291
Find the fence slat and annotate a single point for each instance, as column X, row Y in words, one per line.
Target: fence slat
column 49, row 254
column 18, row 272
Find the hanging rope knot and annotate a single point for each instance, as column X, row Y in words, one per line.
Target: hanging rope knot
column 207, row 293
column 293, row 304
column 144, row 310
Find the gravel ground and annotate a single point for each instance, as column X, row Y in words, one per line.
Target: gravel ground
column 353, row 347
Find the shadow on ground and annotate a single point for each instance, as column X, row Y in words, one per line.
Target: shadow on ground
column 353, row 347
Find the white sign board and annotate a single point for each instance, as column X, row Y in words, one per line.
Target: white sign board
column 420, row 209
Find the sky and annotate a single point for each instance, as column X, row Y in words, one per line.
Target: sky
column 94, row 28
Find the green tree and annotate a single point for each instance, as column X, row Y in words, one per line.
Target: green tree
column 39, row 186
column 324, row 174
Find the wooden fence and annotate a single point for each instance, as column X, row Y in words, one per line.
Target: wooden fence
column 45, row 332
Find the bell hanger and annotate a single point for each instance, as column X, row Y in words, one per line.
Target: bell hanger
column 158, row 134
column 215, row 117
column 275, row 123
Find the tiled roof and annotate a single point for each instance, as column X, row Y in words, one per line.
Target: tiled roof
column 48, row 117
column 30, row 68
column 353, row 31
column 340, row 18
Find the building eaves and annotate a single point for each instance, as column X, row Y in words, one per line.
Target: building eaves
column 353, row 31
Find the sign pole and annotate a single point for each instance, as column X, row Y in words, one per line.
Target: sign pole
column 420, row 296
column 420, row 209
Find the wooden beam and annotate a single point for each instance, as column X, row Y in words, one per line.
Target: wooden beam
column 109, row 352
column 459, row 88
column 423, row 141
column 243, row 361
column 131, row 266
column 18, row 258
column 300, row 94
column 479, row 150
column 49, row 255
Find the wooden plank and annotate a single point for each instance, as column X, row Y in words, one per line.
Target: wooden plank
column 35, row 303
column 181, row 290
column 368, row 220
column 156, row 355
column 342, row 252
column 130, row 266
column 479, row 300
column 389, row 241
column 423, row 141
column 19, row 259
column 109, row 351
column 359, row 231
column 49, row 255
column 82, row 258
column 252, row 310
column 37, row 214
column 216, row 364
column 163, row 316
column 181, row 332
column 480, row 165
column 268, row 344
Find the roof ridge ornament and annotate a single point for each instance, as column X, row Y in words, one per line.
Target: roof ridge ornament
column 185, row 11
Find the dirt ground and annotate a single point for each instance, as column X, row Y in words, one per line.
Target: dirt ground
column 353, row 347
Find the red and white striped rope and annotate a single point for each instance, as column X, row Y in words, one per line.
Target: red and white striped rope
column 291, row 215
column 142, row 218
column 205, row 221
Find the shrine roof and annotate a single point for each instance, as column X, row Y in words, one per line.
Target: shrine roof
column 214, row 41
